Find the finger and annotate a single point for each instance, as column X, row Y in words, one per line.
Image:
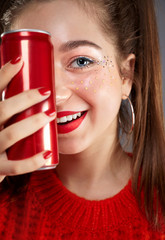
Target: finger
column 24, row 128
column 1, row 178
column 20, row 102
column 17, row 167
column 7, row 72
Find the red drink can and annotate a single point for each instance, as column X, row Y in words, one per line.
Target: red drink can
column 36, row 50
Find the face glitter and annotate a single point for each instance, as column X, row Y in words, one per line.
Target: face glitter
column 105, row 66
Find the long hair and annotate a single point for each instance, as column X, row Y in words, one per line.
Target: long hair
column 131, row 24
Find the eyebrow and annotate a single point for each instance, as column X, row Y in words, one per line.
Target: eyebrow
column 70, row 45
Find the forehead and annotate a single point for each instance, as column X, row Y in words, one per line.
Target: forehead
column 63, row 18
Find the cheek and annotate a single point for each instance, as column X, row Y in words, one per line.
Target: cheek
column 92, row 83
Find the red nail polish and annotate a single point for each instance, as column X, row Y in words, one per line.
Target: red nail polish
column 50, row 113
column 44, row 91
column 15, row 60
column 47, row 154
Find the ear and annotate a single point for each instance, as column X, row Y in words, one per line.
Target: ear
column 127, row 70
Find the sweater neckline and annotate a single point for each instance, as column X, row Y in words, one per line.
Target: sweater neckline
column 68, row 209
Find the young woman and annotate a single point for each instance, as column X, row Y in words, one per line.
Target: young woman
column 106, row 63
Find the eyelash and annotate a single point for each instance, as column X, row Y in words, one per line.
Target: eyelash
column 90, row 62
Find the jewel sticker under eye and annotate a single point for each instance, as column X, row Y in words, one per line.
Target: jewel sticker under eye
column 106, row 62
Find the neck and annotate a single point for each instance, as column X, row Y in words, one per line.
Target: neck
column 95, row 167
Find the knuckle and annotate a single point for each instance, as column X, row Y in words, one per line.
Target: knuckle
column 38, row 120
column 35, row 163
column 5, row 71
column 3, row 114
column 29, row 95
column 9, row 136
column 16, row 170
column 2, row 146
column 3, row 142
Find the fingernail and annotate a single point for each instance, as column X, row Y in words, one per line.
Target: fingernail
column 47, row 154
column 50, row 113
column 15, row 60
column 44, row 91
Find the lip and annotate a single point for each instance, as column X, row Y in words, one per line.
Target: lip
column 70, row 126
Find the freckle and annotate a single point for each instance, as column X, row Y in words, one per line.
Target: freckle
column 82, row 82
column 103, row 66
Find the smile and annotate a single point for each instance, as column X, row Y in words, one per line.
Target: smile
column 69, row 121
column 69, row 118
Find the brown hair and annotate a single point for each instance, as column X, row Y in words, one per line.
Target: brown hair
column 132, row 24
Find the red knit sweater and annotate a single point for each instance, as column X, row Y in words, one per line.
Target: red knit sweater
column 49, row 211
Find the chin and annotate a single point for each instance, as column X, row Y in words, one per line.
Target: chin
column 71, row 148
column 69, row 151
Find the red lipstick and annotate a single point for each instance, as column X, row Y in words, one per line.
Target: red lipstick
column 69, row 126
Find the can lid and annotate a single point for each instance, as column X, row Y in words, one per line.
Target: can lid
column 25, row 30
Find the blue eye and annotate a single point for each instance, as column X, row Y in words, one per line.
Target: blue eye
column 81, row 62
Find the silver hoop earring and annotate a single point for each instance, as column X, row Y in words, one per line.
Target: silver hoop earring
column 132, row 113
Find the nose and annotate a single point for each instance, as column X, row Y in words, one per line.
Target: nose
column 63, row 93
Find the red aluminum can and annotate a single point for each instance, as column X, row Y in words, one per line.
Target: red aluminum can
column 36, row 50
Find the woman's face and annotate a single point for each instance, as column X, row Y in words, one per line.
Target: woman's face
column 87, row 76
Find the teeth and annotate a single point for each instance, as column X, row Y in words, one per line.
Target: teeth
column 68, row 118
column 63, row 120
column 74, row 116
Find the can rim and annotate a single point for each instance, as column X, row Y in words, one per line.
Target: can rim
column 25, row 30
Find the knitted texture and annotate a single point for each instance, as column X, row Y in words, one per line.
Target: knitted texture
column 49, row 211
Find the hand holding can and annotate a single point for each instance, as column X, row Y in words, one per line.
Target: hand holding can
column 36, row 50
